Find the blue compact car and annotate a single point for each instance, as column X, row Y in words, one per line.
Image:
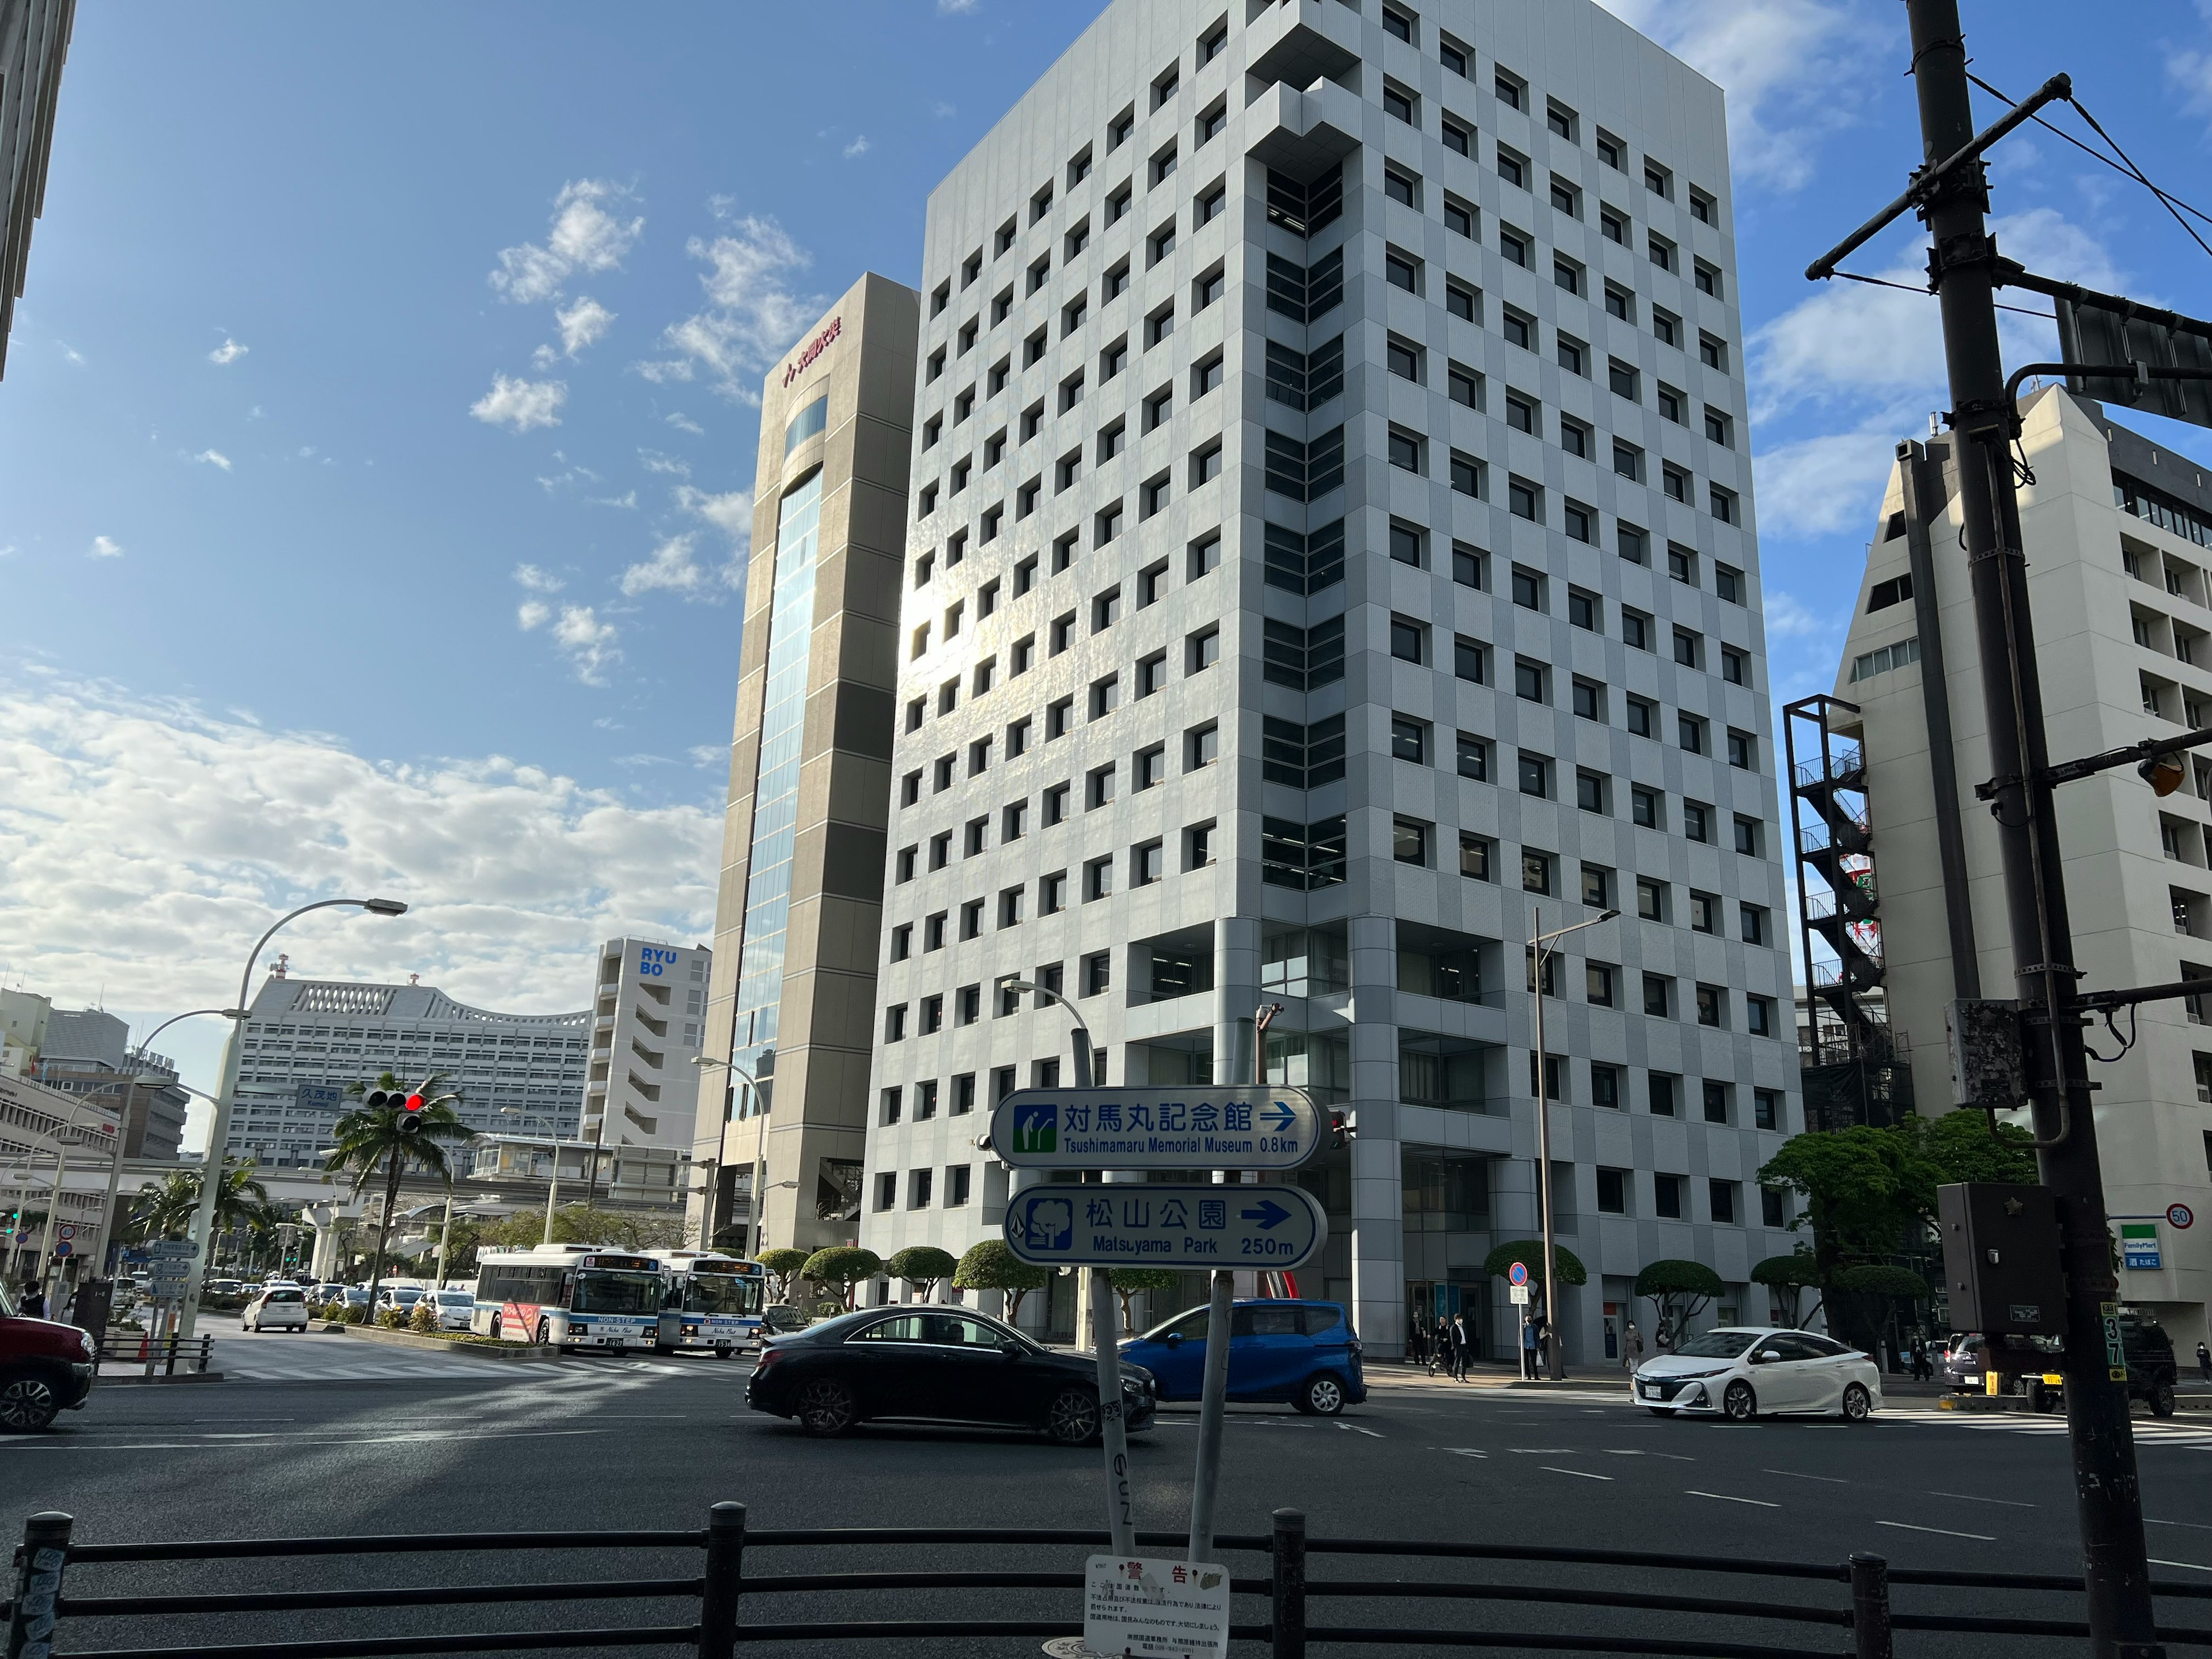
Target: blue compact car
column 1303, row 1353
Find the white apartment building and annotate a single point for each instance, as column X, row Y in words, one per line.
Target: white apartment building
column 648, row 1014
column 305, row 1040
column 2119, row 536
column 1331, row 553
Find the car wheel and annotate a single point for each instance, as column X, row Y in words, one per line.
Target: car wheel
column 1858, row 1404
column 544, row 1332
column 1739, row 1402
column 28, row 1404
column 826, row 1408
column 1321, row 1396
column 663, row 1348
column 722, row 1351
column 1071, row 1420
column 494, row 1328
column 2161, row 1397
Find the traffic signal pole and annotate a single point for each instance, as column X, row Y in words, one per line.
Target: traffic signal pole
column 1961, row 267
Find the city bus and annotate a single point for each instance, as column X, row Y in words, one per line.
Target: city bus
column 571, row 1295
column 716, row 1300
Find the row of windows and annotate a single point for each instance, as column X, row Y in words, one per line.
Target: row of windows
column 921, row 1186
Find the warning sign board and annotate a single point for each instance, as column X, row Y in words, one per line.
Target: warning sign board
column 1156, row 1609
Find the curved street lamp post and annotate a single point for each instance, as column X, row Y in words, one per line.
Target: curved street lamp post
column 219, row 1120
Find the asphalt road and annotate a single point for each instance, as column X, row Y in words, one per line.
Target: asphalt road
column 355, row 1446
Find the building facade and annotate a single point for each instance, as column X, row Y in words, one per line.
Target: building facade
column 648, row 1014
column 35, row 39
column 305, row 1040
column 2118, row 532
column 1331, row 563
column 86, row 1051
column 792, row 1008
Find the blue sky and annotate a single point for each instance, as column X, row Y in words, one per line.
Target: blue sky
column 375, row 433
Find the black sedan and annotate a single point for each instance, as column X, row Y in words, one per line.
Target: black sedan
column 938, row 1366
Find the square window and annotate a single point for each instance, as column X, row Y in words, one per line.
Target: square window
column 1766, row 1114
column 1644, row 808
column 1612, row 1184
column 1473, row 757
column 1409, row 840
column 1536, row 873
column 1409, row 740
column 1475, row 856
column 1406, row 639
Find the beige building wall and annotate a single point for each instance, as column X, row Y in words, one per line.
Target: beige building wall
column 813, row 1072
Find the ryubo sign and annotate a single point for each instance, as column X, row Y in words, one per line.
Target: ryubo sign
column 654, row 960
column 1139, row 1128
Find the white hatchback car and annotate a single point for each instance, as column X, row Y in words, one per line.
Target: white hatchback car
column 455, row 1308
column 1741, row 1371
column 276, row 1307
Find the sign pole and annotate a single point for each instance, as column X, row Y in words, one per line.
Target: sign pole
column 1212, row 1405
column 1113, row 1429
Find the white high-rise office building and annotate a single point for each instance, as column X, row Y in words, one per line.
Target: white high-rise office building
column 648, row 1014
column 2118, row 531
column 1331, row 555
column 305, row 1040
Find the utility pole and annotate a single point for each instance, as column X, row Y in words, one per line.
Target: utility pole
column 1962, row 270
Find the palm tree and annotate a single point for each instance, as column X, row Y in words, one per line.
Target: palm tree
column 167, row 1209
column 394, row 1138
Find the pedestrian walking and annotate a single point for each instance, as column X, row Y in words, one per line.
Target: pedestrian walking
column 33, row 1299
column 1662, row 1339
column 1440, row 1346
column 1922, row 1371
column 2205, row 1362
column 1462, row 1347
column 1631, row 1348
column 1529, row 1349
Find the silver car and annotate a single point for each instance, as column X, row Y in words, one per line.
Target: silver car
column 275, row 1308
column 1740, row 1372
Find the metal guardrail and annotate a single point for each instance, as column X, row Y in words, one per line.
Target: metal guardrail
column 714, row 1600
column 155, row 1352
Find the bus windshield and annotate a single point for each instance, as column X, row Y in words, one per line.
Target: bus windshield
column 722, row 1293
column 602, row 1292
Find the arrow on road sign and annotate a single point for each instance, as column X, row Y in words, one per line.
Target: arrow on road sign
column 1280, row 1116
column 1268, row 1214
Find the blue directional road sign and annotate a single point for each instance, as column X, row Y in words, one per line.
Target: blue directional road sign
column 1167, row 1128
column 1145, row 1224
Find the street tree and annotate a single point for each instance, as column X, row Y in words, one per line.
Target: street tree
column 1498, row 1264
column 1864, row 1188
column 923, row 1266
column 1681, row 1289
column 390, row 1140
column 167, row 1208
column 785, row 1263
column 992, row 1265
column 842, row 1266
column 1127, row 1282
column 1789, row 1277
column 1964, row 1145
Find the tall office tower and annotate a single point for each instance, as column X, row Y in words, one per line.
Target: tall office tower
column 86, row 1051
column 34, row 38
column 305, row 1040
column 648, row 1015
column 792, row 1004
column 1331, row 562
column 2119, row 536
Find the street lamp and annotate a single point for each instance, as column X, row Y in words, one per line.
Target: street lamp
column 757, row 1200
column 219, row 1121
column 1539, row 943
column 1080, row 1036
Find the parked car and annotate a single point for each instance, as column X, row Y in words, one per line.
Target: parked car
column 2148, row 1351
column 324, row 1293
column 225, row 1287
column 938, row 1366
column 1302, row 1354
column 277, row 1308
column 1742, row 1372
column 46, row 1368
column 455, row 1307
column 402, row 1296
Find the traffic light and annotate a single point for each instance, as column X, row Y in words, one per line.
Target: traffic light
column 408, row 1103
column 2163, row 773
column 1343, row 1128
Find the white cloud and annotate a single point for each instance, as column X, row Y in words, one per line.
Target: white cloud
column 581, row 323
column 521, row 404
column 957, row 8
column 214, row 458
column 683, row 422
column 537, row 579
column 587, row 642
column 1819, row 485
column 751, row 315
column 105, row 547
column 730, row 512
column 152, row 842
column 671, row 568
column 627, row 501
column 585, row 236
column 859, row 147
column 2191, row 71
column 941, row 109
column 228, row 352
column 656, row 462
column 1794, row 70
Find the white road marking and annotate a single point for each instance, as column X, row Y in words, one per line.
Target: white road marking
column 2190, row 1565
column 1466, row 1451
column 1906, row 1526
column 1550, row 1469
column 2193, row 1526
column 1539, row 1451
column 1725, row 1498
column 1968, row 1497
column 1794, row 1475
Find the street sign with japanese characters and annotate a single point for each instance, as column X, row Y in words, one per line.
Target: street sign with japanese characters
column 1166, row 1127
column 1151, row 1224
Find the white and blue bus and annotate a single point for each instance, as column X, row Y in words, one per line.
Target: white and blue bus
column 716, row 1300
column 572, row 1296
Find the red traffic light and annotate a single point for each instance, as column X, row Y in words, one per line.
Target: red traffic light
column 414, row 1103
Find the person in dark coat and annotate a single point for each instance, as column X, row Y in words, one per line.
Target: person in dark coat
column 33, row 1300
column 1462, row 1341
column 2204, row 1361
